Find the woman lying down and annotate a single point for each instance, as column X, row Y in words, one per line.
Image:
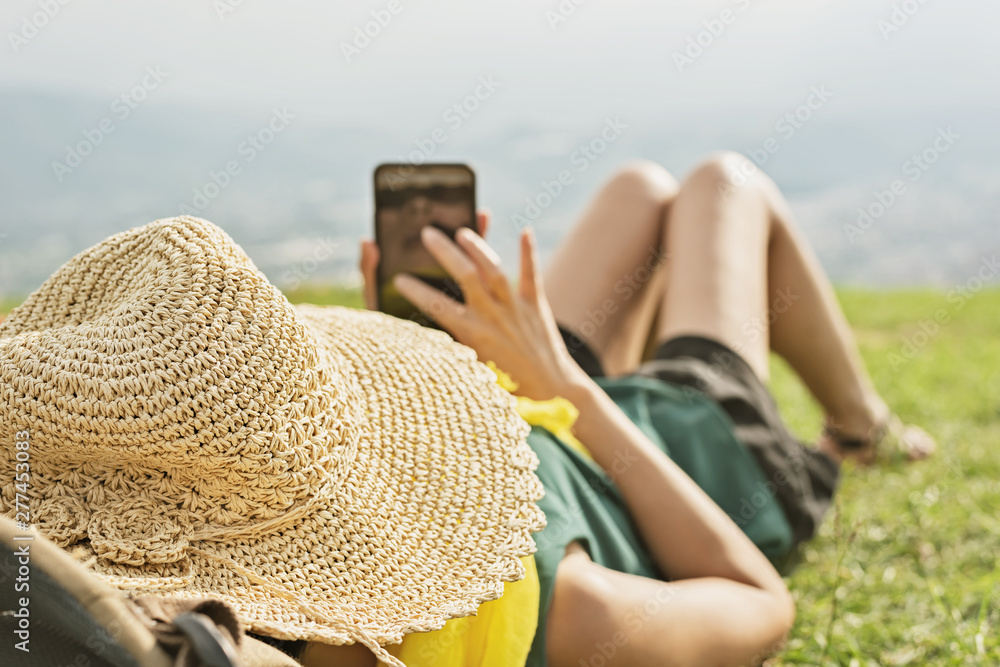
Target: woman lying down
column 356, row 486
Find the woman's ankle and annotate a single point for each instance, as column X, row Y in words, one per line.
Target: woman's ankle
column 864, row 420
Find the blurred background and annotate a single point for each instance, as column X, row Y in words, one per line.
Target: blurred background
column 877, row 118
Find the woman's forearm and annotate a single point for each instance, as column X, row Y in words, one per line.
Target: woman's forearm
column 688, row 534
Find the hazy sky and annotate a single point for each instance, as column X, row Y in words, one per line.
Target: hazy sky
column 605, row 57
column 689, row 77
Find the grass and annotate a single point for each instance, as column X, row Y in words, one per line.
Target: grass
column 323, row 295
column 904, row 570
column 910, row 554
column 7, row 304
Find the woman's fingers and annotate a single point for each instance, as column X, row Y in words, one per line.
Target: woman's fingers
column 369, row 266
column 458, row 265
column 483, row 219
column 434, row 303
column 530, row 284
column 488, row 263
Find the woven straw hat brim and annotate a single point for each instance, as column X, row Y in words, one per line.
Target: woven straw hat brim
column 418, row 512
column 433, row 515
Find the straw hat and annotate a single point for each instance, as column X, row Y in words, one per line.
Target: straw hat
column 336, row 475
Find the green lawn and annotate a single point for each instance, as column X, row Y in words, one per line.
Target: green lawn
column 905, row 570
column 911, row 556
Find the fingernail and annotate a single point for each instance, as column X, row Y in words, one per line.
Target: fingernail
column 432, row 233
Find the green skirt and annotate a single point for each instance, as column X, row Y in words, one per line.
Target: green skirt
column 582, row 503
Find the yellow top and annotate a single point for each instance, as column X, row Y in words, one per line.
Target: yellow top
column 557, row 415
column 499, row 635
column 501, row 632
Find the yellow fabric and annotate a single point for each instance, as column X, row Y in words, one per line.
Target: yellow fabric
column 557, row 415
column 499, row 635
column 501, row 632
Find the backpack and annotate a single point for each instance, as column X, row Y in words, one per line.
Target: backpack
column 54, row 611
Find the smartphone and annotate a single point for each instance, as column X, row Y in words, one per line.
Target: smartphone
column 407, row 199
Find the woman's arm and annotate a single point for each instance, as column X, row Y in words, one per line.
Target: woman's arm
column 735, row 589
column 687, row 532
column 728, row 606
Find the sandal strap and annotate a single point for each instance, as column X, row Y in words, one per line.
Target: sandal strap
column 852, row 443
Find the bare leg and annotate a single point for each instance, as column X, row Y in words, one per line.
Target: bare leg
column 605, row 281
column 717, row 283
column 739, row 272
column 742, row 274
column 717, row 614
column 813, row 335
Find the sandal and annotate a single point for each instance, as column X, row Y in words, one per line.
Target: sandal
column 892, row 440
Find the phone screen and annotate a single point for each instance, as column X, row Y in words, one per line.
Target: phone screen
column 407, row 199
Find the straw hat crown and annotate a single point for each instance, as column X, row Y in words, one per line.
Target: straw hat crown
column 172, row 336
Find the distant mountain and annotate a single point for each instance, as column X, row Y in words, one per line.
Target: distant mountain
column 307, row 193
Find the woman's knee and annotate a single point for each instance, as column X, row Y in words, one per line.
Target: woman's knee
column 646, row 180
column 726, row 173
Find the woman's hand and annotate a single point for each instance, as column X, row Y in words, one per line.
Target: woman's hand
column 512, row 327
column 370, row 256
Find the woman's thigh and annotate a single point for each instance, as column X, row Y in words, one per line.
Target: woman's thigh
column 605, row 280
column 718, row 234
